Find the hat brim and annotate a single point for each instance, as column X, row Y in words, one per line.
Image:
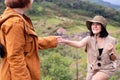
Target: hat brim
column 89, row 23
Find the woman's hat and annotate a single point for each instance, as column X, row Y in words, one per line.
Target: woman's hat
column 98, row 19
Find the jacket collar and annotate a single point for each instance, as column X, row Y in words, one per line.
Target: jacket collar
column 9, row 12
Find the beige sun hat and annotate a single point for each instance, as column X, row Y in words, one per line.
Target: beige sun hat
column 98, row 19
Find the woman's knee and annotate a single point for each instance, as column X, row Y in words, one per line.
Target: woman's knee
column 100, row 76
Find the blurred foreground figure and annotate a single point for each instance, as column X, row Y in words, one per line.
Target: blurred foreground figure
column 20, row 42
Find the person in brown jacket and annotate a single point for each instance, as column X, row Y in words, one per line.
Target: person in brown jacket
column 100, row 48
column 20, row 42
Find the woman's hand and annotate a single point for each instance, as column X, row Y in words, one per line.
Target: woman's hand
column 60, row 39
column 110, row 47
column 112, row 53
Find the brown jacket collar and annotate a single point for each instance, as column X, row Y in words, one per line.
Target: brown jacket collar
column 9, row 12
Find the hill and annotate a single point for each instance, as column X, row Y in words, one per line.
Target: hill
column 78, row 7
column 107, row 4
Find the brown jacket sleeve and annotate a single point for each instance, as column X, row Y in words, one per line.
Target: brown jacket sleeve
column 15, row 41
column 47, row 42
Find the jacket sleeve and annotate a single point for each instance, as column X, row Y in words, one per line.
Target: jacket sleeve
column 47, row 42
column 15, row 41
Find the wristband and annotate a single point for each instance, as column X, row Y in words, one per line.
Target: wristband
column 110, row 54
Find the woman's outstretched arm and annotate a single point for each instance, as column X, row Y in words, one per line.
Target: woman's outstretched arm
column 77, row 44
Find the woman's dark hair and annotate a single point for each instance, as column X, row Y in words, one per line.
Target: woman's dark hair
column 17, row 3
column 103, row 32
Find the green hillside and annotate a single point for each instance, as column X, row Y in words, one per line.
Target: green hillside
column 101, row 2
column 77, row 13
column 65, row 62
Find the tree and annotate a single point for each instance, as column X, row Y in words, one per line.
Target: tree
column 55, row 67
column 2, row 6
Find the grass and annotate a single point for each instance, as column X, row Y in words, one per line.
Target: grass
column 53, row 21
column 77, row 29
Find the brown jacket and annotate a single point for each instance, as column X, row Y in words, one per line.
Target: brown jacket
column 21, row 61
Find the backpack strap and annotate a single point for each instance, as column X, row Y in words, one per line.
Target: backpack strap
column 2, row 52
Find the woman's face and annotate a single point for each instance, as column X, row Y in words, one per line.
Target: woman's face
column 96, row 28
column 31, row 2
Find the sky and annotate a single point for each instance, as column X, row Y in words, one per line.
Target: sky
column 113, row 1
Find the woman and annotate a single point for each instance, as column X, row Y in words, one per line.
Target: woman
column 20, row 42
column 100, row 48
